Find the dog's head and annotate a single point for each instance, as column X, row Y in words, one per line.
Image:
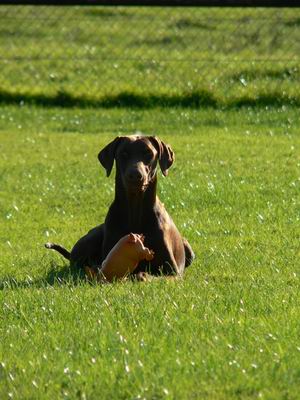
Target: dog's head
column 136, row 159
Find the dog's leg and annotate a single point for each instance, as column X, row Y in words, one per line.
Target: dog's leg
column 87, row 251
column 189, row 254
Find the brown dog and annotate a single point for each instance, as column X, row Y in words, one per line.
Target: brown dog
column 136, row 208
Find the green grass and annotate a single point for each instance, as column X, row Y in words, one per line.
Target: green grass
column 98, row 54
column 230, row 328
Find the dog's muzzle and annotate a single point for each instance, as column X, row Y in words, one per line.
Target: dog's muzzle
column 136, row 180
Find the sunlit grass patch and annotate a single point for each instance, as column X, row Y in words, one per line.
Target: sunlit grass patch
column 87, row 55
column 229, row 329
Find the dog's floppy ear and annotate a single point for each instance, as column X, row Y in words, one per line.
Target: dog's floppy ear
column 166, row 155
column 107, row 155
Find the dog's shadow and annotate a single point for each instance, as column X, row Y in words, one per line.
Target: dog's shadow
column 64, row 275
column 55, row 276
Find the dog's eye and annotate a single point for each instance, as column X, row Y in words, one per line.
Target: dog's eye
column 147, row 153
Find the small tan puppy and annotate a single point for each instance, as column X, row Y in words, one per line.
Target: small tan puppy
column 122, row 259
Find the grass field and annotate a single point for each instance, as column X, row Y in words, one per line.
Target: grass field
column 113, row 56
column 228, row 330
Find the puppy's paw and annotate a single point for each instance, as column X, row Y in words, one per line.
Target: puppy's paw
column 150, row 255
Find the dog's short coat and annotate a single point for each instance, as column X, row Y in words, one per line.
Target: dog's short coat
column 135, row 208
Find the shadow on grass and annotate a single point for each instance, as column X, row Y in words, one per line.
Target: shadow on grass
column 101, row 13
column 194, row 100
column 294, row 22
column 184, row 23
column 291, row 73
column 55, row 277
column 122, row 100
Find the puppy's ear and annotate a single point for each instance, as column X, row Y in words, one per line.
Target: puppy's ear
column 166, row 155
column 107, row 155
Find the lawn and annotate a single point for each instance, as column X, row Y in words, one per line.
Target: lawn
column 111, row 56
column 230, row 328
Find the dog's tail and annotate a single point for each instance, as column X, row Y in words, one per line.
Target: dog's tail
column 60, row 249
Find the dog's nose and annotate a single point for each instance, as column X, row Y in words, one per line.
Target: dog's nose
column 135, row 175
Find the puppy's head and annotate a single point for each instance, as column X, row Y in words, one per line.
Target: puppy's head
column 136, row 159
